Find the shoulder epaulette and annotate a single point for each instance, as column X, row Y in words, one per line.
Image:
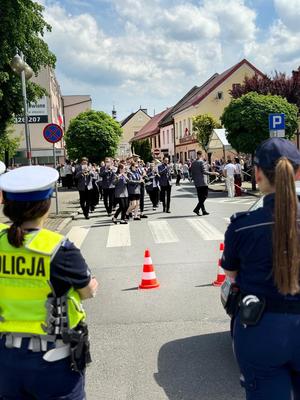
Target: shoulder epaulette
column 239, row 215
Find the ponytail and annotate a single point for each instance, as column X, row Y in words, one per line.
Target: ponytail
column 19, row 212
column 16, row 235
column 286, row 254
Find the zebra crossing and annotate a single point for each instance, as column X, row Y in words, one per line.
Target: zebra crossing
column 161, row 232
column 234, row 200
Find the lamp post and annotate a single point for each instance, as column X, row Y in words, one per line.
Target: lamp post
column 21, row 68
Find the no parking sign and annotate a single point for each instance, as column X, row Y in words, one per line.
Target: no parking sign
column 52, row 133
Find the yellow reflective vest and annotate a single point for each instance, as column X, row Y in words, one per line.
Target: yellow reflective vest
column 25, row 284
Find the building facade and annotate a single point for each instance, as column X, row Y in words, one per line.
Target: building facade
column 130, row 127
column 74, row 105
column 210, row 98
column 48, row 109
column 151, row 131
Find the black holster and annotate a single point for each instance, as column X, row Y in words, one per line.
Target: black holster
column 251, row 310
column 232, row 303
column 78, row 339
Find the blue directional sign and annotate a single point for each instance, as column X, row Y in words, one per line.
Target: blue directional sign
column 276, row 122
column 52, row 133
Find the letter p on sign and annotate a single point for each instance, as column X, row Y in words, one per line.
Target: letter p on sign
column 276, row 122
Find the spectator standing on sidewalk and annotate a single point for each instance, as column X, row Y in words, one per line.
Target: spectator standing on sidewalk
column 238, row 177
column 68, row 175
column 200, row 175
column 229, row 171
column 165, row 182
column 185, row 170
column 108, row 177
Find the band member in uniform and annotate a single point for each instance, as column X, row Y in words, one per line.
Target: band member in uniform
column 165, row 182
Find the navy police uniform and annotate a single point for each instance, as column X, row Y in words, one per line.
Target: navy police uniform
column 269, row 352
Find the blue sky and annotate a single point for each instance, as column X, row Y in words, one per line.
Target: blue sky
column 150, row 53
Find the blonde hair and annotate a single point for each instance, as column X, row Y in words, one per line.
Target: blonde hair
column 286, row 252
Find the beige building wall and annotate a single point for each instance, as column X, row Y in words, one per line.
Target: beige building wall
column 210, row 105
column 130, row 129
column 74, row 105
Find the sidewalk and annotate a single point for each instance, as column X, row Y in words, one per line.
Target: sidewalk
column 68, row 204
column 221, row 187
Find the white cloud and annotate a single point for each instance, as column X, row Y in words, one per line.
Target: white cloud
column 281, row 48
column 289, row 13
column 159, row 51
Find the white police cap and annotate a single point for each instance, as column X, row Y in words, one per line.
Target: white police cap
column 32, row 183
column 2, row 167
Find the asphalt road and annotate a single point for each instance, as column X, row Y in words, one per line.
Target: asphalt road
column 168, row 343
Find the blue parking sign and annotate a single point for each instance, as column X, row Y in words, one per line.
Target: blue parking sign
column 276, row 122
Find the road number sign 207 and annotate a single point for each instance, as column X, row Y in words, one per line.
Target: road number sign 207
column 32, row 119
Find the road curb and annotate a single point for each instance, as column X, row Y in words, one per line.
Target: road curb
column 64, row 224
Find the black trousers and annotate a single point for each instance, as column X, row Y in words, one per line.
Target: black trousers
column 123, row 206
column 85, row 201
column 202, row 192
column 154, row 196
column 166, row 192
column 109, row 198
column 95, row 195
column 142, row 199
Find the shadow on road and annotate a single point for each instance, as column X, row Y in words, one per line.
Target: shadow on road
column 199, row 367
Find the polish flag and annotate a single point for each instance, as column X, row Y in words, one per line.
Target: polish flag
column 60, row 120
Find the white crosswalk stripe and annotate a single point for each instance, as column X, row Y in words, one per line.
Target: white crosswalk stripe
column 162, row 232
column 205, row 229
column 118, row 236
column 78, row 234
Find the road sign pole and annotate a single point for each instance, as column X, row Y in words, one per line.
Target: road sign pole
column 56, row 189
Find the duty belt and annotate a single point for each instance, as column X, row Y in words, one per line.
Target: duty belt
column 53, row 349
column 279, row 306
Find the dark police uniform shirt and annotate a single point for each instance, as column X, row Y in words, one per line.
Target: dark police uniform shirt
column 68, row 269
column 248, row 250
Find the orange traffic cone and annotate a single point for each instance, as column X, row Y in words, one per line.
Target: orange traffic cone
column 220, row 274
column 149, row 280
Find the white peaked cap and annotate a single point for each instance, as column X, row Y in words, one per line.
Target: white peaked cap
column 32, row 183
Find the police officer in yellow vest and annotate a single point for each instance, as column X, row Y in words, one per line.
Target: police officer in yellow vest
column 44, row 345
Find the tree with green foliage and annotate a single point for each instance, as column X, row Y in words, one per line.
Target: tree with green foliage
column 8, row 145
column 246, row 120
column 143, row 149
column 203, row 126
column 93, row 134
column 22, row 26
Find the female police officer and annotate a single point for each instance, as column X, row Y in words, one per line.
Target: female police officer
column 262, row 252
column 43, row 277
